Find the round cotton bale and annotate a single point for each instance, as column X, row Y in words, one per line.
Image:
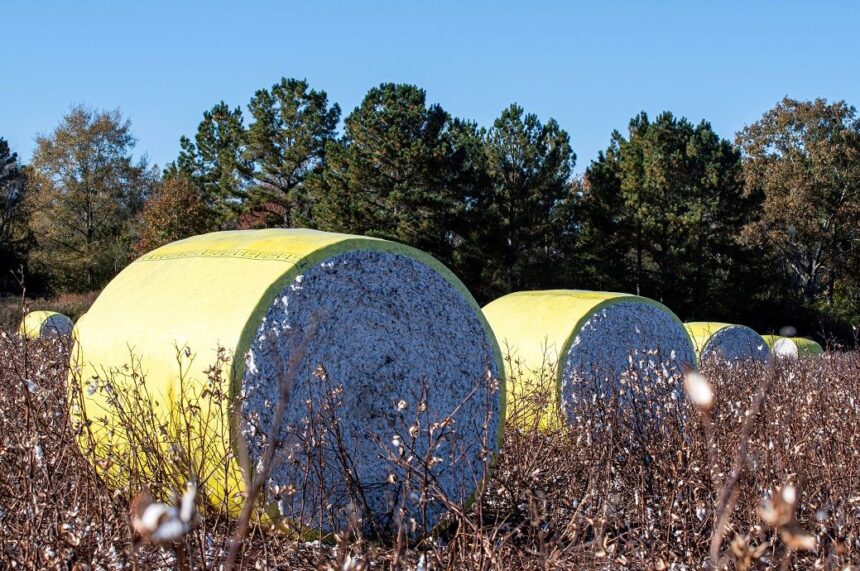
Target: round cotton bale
column 378, row 354
column 807, row 347
column 40, row 324
column 587, row 341
column 784, row 348
column 727, row 342
column 794, row 347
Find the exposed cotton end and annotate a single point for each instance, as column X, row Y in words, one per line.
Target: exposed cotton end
column 795, row 347
column 785, row 348
column 630, row 350
column 42, row 324
column 394, row 370
column 735, row 343
column 385, row 342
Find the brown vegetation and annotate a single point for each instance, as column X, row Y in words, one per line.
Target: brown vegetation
column 72, row 305
column 773, row 460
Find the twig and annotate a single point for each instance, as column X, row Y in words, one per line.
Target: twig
column 285, row 385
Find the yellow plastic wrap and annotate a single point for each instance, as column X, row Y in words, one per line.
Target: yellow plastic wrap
column 805, row 347
column 770, row 339
column 535, row 330
column 200, row 294
column 701, row 333
column 38, row 324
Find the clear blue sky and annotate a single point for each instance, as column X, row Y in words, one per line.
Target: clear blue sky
column 592, row 65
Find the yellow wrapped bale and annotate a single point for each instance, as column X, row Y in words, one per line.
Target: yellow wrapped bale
column 582, row 343
column 38, row 324
column 794, row 347
column 807, row 346
column 726, row 341
column 771, row 339
column 379, row 336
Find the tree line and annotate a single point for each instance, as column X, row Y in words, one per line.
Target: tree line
column 763, row 229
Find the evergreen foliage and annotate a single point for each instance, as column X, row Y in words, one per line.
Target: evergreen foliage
column 529, row 165
column 284, row 144
column 669, row 209
column 397, row 172
column 661, row 213
column 214, row 162
column 15, row 236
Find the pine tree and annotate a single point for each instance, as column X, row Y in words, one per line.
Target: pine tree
column 529, row 166
column 285, row 142
column 662, row 210
column 14, row 214
column 397, row 172
column 214, row 162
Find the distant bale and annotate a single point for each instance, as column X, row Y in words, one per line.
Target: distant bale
column 41, row 324
column 727, row 342
column 587, row 343
column 394, row 361
column 807, row 346
column 794, row 347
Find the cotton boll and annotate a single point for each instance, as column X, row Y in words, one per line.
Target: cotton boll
column 699, row 390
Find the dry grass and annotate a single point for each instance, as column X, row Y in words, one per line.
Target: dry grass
column 782, row 483
column 71, row 304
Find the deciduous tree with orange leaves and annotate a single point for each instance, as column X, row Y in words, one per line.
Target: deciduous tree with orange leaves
column 177, row 210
